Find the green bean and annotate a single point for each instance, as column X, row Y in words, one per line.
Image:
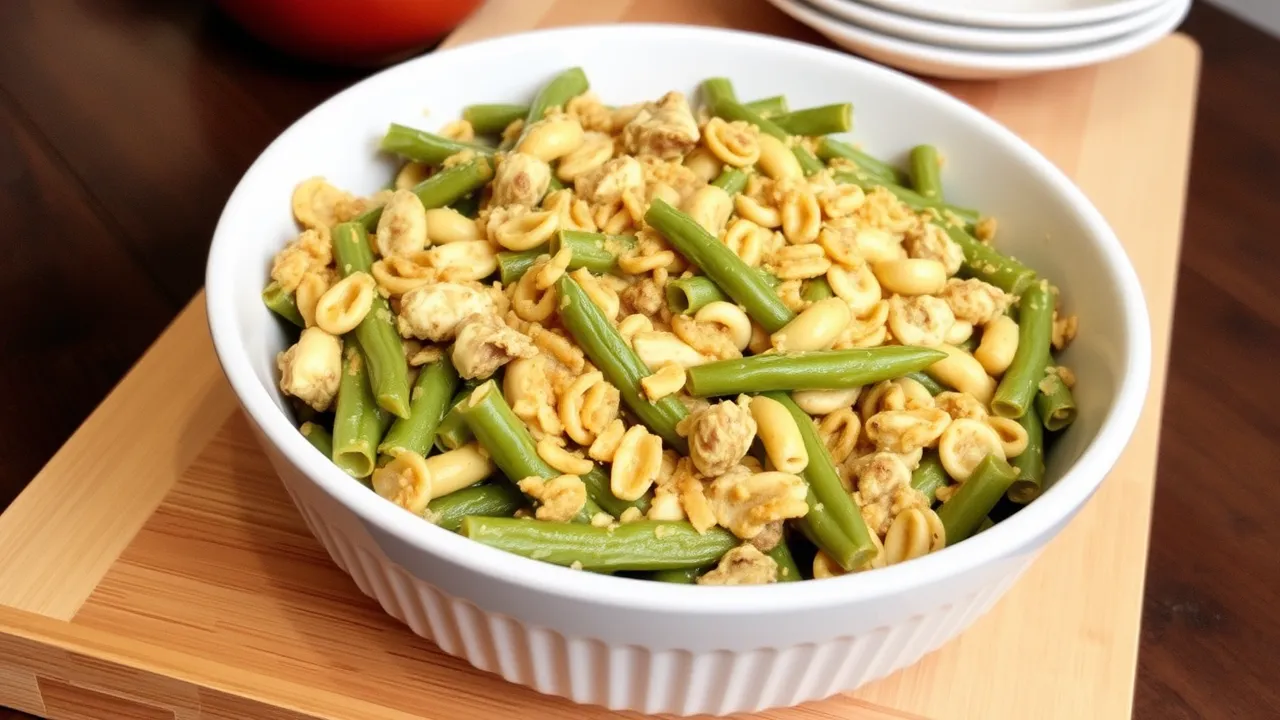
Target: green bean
column 929, row 475
column 787, row 569
column 467, row 205
column 809, row 162
column 1029, row 462
column 821, row 120
column 423, row 146
column 508, row 442
column 968, row 507
column 452, row 432
column 986, row 524
column 379, row 339
column 815, row 289
column 448, row 186
column 720, row 264
column 1055, row 403
column 357, row 420
column 318, row 436
column 618, row 362
column 281, row 303
column 429, row 400
column 644, row 545
column 833, row 520
column 513, row 265
column 597, row 252
column 493, row 499
column 970, row 343
column 813, row 370
column 557, row 93
column 925, row 171
column 1020, row 383
column 679, row 576
column 910, row 198
column 721, row 101
column 830, row 149
column 933, row 386
column 493, row 118
column 769, row 106
column 686, row 296
column 731, row 180
column 986, row 264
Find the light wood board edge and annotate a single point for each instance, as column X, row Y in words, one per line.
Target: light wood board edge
column 72, row 521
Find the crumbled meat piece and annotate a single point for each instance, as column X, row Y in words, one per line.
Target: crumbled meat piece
column 930, row 242
column 666, row 129
column 743, row 565
column 769, row 537
column 960, row 405
column 720, row 436
column 643, row 297
column 521, row 179
column 485, row 343
column 312, row 368
column 1064, row 330
column 560, row 499
column 884, row 490
column 975, row 301
column 433, row 312
column 311, row 251
column 607, row 183
column 745, row 502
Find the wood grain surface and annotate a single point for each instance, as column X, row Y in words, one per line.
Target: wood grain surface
column 126, row 123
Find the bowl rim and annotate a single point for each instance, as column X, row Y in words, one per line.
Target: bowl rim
column 1016, row 534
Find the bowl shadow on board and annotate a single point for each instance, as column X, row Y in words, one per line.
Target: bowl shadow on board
column 309, row 602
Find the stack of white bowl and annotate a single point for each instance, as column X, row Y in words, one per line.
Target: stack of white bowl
column 982, row 39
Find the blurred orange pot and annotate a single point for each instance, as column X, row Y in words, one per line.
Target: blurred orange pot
column 349, row 32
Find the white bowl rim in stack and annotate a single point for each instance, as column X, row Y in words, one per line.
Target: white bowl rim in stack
column 934, row 32
column 1078, row 12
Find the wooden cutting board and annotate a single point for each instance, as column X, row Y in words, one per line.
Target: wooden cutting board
column 155, row 568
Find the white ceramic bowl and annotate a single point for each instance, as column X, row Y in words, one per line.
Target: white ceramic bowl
column 1016, row 13
column 654, row 647
column 971, row 64
column 985, row 38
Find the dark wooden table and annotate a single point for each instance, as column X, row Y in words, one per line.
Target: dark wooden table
column 124, row 125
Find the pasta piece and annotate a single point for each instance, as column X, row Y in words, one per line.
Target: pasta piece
column 311, row 369
column 341, row 308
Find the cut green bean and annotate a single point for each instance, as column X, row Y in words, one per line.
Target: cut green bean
column 508, row 442
column 423, row 146
column 963, row 514
column 986, row 524
column 1029, row 462
column 909, row 197
column 644, row 545
column 720, row 264
column 618, row 362
column 1020, row 383
column 986, row 264
column 686, row 296
column 281, row 303
column 379, row 339
column 933, row 386
column 513, row 265
column 679, row 576
column 428, row 403
column 731, row 180
column 1055, row 403
column 597, row 252
column 318, row 436
column 448, row 186
column 787, row 569
column 723, row 103
column 833, row 521
column 809, row 163
column 929, row 475
column 830, row 149
column 821, row 120
column 452, row 432
column 492, row 499
column 357, row 420
column 768, row 106
column 815, row 289
column 493, row 118
column 814, row 370
column 926, row 171
column 467, row 206
column 557, row 93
